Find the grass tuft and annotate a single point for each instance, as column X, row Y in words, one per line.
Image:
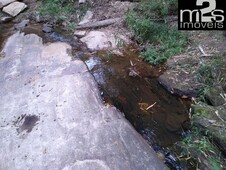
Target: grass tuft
column 161, row 40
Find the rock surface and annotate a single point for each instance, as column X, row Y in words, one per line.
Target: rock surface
column 15, row 8
column 52, row 116
column 99, row 40
column 80, row 34
column 5, row 2
column 215, row 95
column 6, row 19
column 22, row 24
column 179, row 78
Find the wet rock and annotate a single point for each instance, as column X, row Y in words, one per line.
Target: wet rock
column 179, row 78
column 215, row 95
column 52, row 116
column 47, row 28
column 5, row 2
column 14, row 8
column 212, row 121
column 6, row 19
column 22, row 24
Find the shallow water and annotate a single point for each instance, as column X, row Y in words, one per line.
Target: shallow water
column 132, row 86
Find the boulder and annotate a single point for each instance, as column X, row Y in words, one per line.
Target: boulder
column 52, row 116
column 15, row 8
column 103, row 40
column 5, row 2
column 215, row 95
column 179, row 78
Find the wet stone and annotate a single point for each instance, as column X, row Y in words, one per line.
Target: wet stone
column 47, row 28
column 28, row 123
column 22, row 25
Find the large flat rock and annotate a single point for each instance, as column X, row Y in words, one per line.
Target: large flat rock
column 14, row 8
column 52, row 117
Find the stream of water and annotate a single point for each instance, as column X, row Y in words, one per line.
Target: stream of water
column 129, row 84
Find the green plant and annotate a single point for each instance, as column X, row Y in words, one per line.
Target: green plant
column 71, row 26
column 165, row 41
column 82, row 10
column 56, row 9
column 212, row 72
column 152, row 56
column 156, row 9
column 201, row 146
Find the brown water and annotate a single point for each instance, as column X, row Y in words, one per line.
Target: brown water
column 132, row 86
column 5, row 31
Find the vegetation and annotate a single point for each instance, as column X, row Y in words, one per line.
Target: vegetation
column 149, row 24
column 57, row 9
column 212, row 73
column 63, row 11
column 201, row 147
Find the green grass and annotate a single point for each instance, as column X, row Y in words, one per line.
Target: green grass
column 212, row 73
column 157, row 9
column 202, row 146
column 57, row 10
column 161, row 40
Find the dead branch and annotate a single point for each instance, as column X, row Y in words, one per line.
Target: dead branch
column 97, row 24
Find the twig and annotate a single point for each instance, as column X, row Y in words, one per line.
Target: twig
column 203, row 52
column 151, row 106
column 216, row 112
column 131, row 63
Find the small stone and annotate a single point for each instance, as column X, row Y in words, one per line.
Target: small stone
column 6, row 19
column 79, row 34
column 47, row 28
column 81, row 1
column 22, row 24
column 14, row 8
